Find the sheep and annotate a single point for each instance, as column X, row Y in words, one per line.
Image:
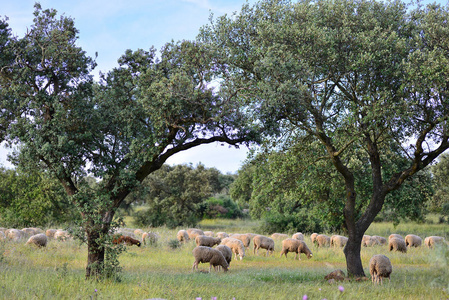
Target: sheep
column 227, row 253
column 370, row 241
column 138, row 232
column 14, row 234
column 124, row 239
column 61, row 235
column 338, row 240
column 39, row 240
column 29, row 231
column 251, row 235
column 214, row 257
column 182, row 236
column 380, row 239
column 297, row 246
column 412, row 240
column 209, row 233
column 236, row 246
column 151, row 236
column 194, row 232
column 298, row 236
column 365, row 240
column 394, row 235
column 279, row 236
column 431, row 241
column 204, row 240
column 263, row 242
column 246, row 240
column 397, row 244
column 50, row 233
column 323, row 240
column 313, row 237
column 222, row 235
column 379, row 268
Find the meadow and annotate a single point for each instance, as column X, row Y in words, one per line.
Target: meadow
column 159, row 271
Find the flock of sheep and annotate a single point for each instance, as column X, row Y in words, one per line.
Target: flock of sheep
column 220, row 257
column 380, row 266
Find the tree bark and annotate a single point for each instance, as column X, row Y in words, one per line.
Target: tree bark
column 352, row 254
column 95, row 254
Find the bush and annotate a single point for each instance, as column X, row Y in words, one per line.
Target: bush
column 220, row 207
column 302, row 221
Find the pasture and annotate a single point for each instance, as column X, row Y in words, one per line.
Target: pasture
column 158, row 271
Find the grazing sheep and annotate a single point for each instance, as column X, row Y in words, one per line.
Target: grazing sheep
column 61, row 235
column 380, row 239
column 263, row 242
column 397, row 245
column 194, row 232
column 182, row 236
column 313, row 237
column 365, row 240
column 394, row 235
column 370, row 241
column 39, row 240
column 433, row 240
column 50, row 233
column 251, row 235
column 246, row 240
column 209, row 233
column 323, row 240
column 297, row 246
column 14, row 234
column 222, row 235
column 379, row 268
column 279, row 236
column 124, row 239
column 29, row 231
column 151, row 236
column 236, row 246
column 298, row 236
column 412, row 240
column 227, row 253
column 204, row 240
column 338, row 240
column 214, row 257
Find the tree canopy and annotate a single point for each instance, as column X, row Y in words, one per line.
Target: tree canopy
column 356, row 78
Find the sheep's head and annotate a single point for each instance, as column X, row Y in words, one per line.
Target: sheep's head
column 138, row 244
column 309, row 256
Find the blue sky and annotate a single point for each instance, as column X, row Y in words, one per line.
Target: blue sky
column 110, row 27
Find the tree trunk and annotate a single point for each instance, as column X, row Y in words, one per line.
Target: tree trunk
column 95, row 255
column 352, row 254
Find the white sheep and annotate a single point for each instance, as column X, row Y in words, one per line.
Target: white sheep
column 222, row 235
column 246, row 240
column 29, row 231
column 298, row 236
column 412, row 240
column 150, row 236
column 251, row 235
column 182, row 236
column 380, row 239
column 236, row 246
column 194, row 232
column 313, row 237
column 227, row 253
column 370, row 241
column 338, row 240
column 279, row 236
column 39, row 240
column 263, row 242
column 432, row 241
column 380, row 267
column 397, row 244
column 297, row 246
column 204, row 240
column 138, row 232
column 395, row 235
column 14, row 234
column 209, row 233
column 50, row 233
column 322, row 240
column 61, row 235
column 214, row 257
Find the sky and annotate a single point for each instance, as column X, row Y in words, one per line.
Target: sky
column 110, row 27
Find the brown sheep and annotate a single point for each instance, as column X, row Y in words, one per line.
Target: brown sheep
column 297, row 246
column 246, row 240
column 182, row 236
column 397, row 245
column 313, row 237
column 124, row 239
column 263, row 242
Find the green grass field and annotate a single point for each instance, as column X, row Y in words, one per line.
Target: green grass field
column 57, row 272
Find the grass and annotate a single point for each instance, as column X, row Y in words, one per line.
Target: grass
column 57, row 272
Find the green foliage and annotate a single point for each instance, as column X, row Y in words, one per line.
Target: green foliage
column 440, row 172
column 221, row 206
column 33, row 199
column 174, row 244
